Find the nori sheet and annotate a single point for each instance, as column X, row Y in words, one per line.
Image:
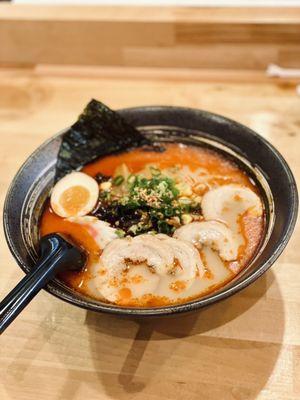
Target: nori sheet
column 98, row 132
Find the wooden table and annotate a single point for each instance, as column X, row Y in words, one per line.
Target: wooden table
column 247, row 347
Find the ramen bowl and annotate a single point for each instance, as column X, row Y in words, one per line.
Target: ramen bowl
column 265, row 165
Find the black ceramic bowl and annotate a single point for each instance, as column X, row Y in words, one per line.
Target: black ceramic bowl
column 30, row 188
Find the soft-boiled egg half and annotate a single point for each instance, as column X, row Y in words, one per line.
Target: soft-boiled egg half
column 74, row 195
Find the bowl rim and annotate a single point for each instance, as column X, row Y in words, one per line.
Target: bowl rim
column 90, row 304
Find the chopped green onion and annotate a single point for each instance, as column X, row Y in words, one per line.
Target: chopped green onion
column 120, row 233
column 168, row 212
column 131, row 179
column 155, row 171
column 143, row 182
column 118, row 180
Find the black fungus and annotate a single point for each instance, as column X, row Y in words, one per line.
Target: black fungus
column 100, row 178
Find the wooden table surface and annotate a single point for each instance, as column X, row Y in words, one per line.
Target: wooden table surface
column 247, row 347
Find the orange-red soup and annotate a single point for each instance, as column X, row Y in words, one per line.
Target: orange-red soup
column 222, row 170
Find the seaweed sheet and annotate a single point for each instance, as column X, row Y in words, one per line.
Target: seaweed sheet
column 98, row 132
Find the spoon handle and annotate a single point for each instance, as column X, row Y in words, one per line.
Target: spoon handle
column 57, row 254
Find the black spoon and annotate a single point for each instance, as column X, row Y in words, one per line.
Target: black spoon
column 57, row 254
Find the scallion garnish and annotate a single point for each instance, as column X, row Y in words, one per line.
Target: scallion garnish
column 146, row 204
column 118, row 180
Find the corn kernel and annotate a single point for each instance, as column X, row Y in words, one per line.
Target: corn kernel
column 105, row 186
column 186, row 218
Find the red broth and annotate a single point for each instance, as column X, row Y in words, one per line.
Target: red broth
column 194, row 157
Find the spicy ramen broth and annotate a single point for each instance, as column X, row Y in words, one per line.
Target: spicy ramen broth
column 203, row 169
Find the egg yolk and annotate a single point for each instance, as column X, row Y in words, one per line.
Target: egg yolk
column 74, row 199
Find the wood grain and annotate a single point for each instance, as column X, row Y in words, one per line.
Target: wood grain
column 150, row 37
column 244, row 348
column 288, row 15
